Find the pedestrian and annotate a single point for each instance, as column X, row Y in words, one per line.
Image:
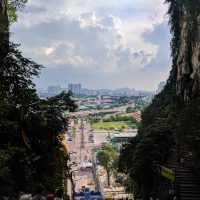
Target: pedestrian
column 139, row 197
column 182, row 160
column 59, row 194
column 5, row 196
column 40, row 193
column 50, row 196
column 25, row 197
column 17, row 196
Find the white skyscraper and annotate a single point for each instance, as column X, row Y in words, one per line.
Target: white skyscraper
column 75, row 88
column 161, row 86
column 53, row 90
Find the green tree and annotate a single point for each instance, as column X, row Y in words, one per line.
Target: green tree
column 168, row 122
column 23, row 113
column 108, row 158
column 124, row 100
column 130, row 109
column 42, row 122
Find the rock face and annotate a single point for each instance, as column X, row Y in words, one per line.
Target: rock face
column 4, row 31
column 188, row 62
column 3, row 16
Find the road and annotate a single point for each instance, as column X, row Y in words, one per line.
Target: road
column 121, row 109
column 82, row 155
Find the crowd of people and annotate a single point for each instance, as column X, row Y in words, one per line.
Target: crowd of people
column 42, row 195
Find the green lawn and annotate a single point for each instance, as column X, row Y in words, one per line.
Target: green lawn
column 112, row 125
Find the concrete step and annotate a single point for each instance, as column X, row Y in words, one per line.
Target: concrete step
column 185, row 179
column 189, row 198
column 186, row 185
column 189, row 195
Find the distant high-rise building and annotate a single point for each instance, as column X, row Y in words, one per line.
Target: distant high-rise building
column 53, row 90
column 40, row 90
column 161, row 85
column 75, row 88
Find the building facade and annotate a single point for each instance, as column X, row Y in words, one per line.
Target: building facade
column 75, row 88
column 161, row 86
column 53, row 90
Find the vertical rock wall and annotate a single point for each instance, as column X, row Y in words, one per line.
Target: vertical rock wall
column 4, row 32
column 195, row 62
column 188, row 62
column 3, row 16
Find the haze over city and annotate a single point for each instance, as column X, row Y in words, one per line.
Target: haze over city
column 101, row 44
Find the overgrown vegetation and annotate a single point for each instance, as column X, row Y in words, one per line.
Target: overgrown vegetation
column 112, row 118
column 116, row 122
column 108, row 158
column 115, row 126
column 168, row 122
column 30, row 150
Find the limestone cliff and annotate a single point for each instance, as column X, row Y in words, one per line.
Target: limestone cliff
column 3, row 16
column 188, row 60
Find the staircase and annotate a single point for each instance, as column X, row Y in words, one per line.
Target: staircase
column 185, row 182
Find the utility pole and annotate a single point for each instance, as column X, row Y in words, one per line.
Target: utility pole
column 82, row 137
column 82, row 133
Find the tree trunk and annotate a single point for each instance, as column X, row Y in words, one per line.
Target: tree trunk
column 108, row 177
column 72, row 184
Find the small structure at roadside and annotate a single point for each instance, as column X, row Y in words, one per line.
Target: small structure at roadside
column 86, row 194
column 91, row 138
column 86, row 165
column 118, row 139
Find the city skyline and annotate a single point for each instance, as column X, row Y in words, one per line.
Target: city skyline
column 102, row 44
column 69, row 86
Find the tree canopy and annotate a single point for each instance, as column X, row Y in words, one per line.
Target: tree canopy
column 108, row 158
column 169, row 122
column 29, row 127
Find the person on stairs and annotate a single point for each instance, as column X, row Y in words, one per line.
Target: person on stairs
column 40, row 193
column 59, row 194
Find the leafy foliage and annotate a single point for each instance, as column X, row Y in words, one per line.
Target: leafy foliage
column 42, row 122
column 16, row 77
column 152, row 144
column 12, row 14
column 18, row 4
column 189, row 131
column 130, row 109
column 155, row 138
column 12, row 7
column 168, row 122
column 108, row 158
column 24, row 117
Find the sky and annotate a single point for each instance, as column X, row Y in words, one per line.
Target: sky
column 98, row 43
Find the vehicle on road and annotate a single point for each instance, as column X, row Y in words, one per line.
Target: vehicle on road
column 91, row 138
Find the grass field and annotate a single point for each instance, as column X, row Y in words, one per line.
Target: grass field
column 112, row 125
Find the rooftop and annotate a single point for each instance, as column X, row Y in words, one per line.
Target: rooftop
column 126, row 134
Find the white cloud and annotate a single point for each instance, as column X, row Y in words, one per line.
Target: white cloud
column 66, row 55
column 48, row 50
column 96, row 36
column 87, row 41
